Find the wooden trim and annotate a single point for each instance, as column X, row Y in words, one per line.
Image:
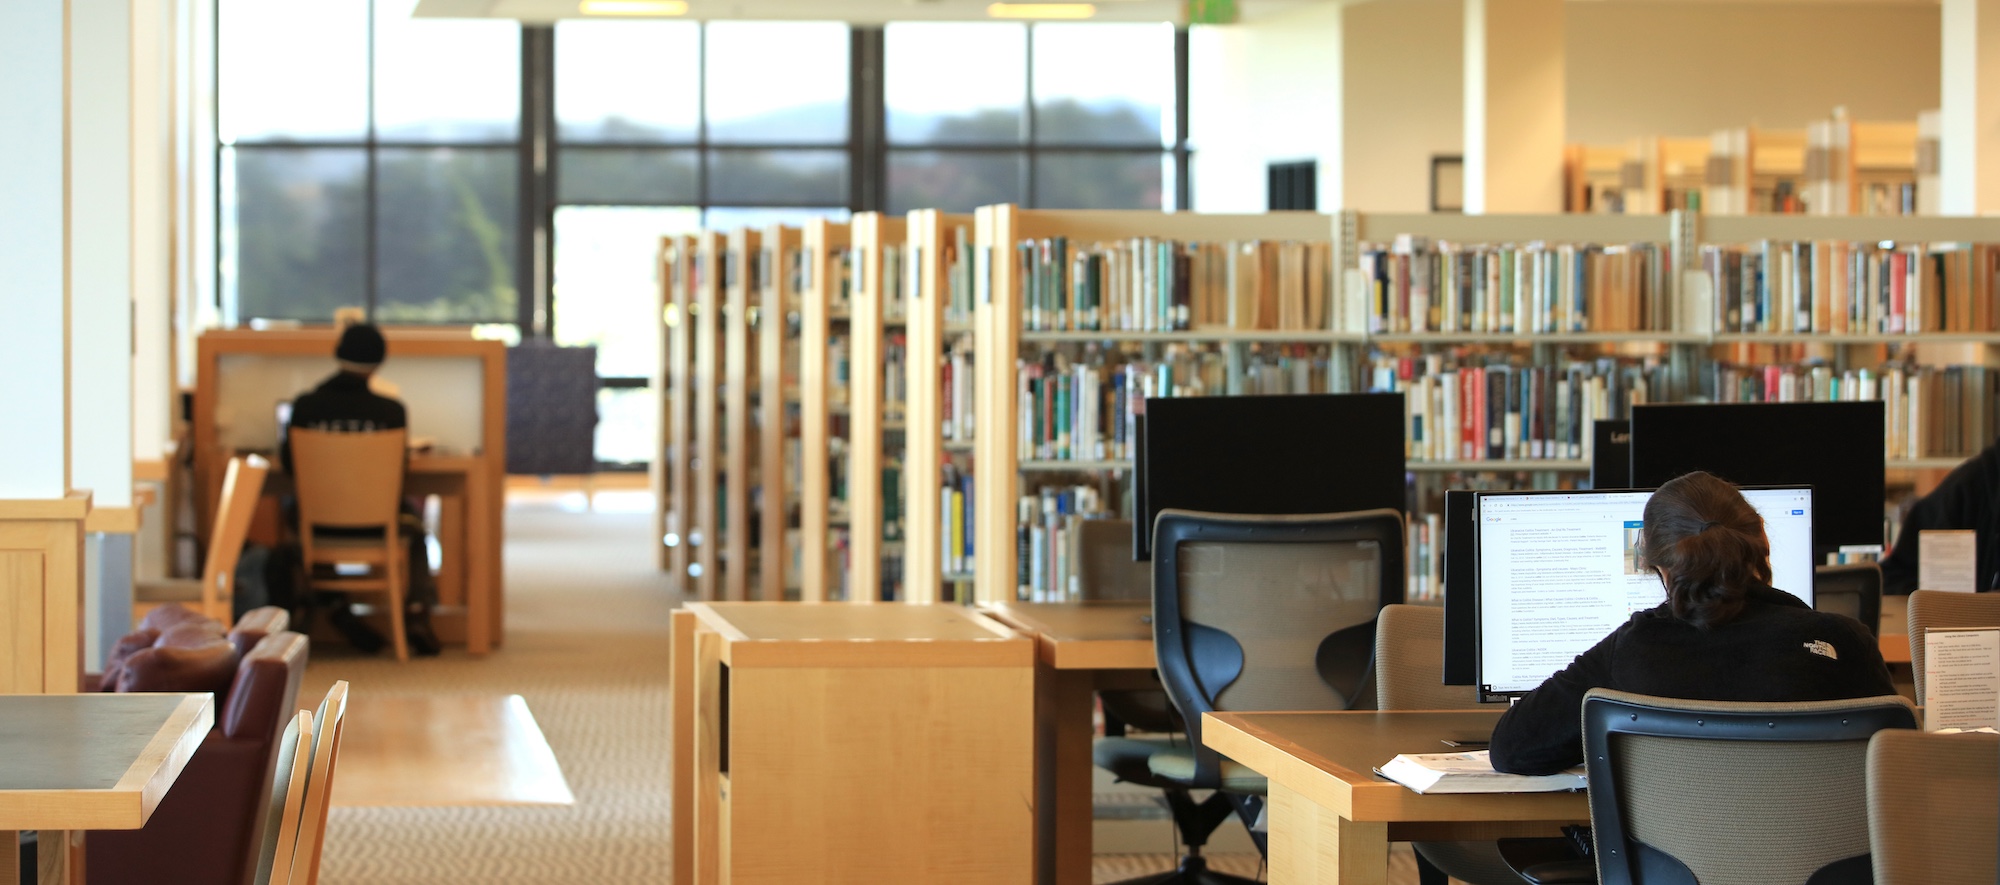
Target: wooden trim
column 815, row 430
column 75, row 505
column 168, row 753
column 775, row 296
column 997, row 331
column 739, row 374
column 113, row 520
column 149, row 470
column 678, row 422
column 864, row 399
column 681, row 741
column 41, row 598
column 707, row 414
column 923, row 436
column 850, row 654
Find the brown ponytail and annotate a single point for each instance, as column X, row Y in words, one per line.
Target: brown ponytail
column 1712, row 544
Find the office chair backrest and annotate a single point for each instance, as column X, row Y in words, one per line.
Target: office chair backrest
column 1409, row 662
column 347, row 479
column 242, row 485
column 1722, row 792
column 1854, row 590
column 1270, row 612
column 1943, row 610
column 288, row 801
column 1109, row 571
column 1934, row 807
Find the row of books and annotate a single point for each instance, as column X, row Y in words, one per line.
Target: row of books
column 1048, row 540
column 1840, row 287
column 1419, row 285
column 956, row 502
column 955, row 391
column 1081, row 409
column 1462, row 411
column 1931, row 411
column 1156, row 285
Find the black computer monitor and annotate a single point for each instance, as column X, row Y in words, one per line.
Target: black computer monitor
column 1834, row 447
column 1611, row 454
column 1461, row 618
column 1303, row 453
column 1558, row 571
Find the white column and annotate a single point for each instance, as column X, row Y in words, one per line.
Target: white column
column 34, row 339
column 152, row 227
column 101, row 250
column 1969, row 121
column 1514, row 106
column 1266, row 91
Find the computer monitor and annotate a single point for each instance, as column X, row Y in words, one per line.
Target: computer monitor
column 1302, row 453
column 1558, row 571
column 1834, row 447
column 1611, row 455
column 1461, row 620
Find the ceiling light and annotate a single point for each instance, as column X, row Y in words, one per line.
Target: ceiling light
column 633, row 7
column 1041, row 10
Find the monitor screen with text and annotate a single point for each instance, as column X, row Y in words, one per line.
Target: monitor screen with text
column 1558, row 571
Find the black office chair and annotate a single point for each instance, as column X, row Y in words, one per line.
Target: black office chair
column 1722, row 792
column 1854, row 590
column 1263, row 613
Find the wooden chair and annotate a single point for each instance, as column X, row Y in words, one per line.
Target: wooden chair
column 242, row 484
column 353, row 481
column 327, row 727
column 288, row 799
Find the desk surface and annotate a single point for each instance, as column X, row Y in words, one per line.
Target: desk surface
column 1330, row 759
column 1108, row 635
column 446, row 750
column 94, row 761
column 838, row 634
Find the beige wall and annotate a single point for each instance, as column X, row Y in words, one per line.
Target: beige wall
column 1656, row 67
column 1635, row 68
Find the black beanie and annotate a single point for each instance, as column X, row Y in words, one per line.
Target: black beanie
column 362, row 344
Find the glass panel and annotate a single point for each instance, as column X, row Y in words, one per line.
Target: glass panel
column 1104, row 84
column 621, row 176
column 956, row 82
column 273, row 85
column 293, row 232
column 777, row 82
column 1098, row 180
column 445, row 221
column 607, row 281
column 628, row 420
column 729, row 218
column 955, row 181
column 445, row 79
column 628, row 81
column 780, row 178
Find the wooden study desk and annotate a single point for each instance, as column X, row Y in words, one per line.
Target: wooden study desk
column 837, row 743
column 1080, row 647
column 455, row 389
column 1332, row 818
column 70, row 763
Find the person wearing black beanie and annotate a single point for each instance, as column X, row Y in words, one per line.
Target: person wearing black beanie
column 344, row 403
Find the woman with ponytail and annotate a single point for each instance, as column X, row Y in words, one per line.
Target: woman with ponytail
column 1722, row 635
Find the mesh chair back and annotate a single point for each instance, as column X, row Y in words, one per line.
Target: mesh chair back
column 1940, row 610
column 1934, row 807
column 1724, row 792
column 1854, row 590
column 1109, row 571
column 1270, row 612
column 1409, row 662
column 350, row 480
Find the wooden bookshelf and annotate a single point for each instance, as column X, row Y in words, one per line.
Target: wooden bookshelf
column 672, row 470
column 704, row 529
column 929, row 235
column 872, row 233
column 743, row 247
column 822, row 241
column 778, row 377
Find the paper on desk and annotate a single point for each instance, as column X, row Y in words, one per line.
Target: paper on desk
column 1948, row 559
column 1961, row 679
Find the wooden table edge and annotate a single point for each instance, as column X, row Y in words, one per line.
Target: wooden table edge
column 168, row 753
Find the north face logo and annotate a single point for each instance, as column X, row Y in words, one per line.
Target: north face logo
column 1823, row 648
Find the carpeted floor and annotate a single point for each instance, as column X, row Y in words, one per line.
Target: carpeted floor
column 587, row 647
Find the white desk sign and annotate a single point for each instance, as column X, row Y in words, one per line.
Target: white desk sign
column 1962, row 679
column 1948, row 559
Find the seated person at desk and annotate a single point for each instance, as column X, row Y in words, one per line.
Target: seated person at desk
column 345, row 403
column 1722, row 635
column 1968, row 498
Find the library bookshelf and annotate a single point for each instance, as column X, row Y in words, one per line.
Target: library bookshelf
column 780, row 282
column 705, row 529
column 822, row 393
column 672, row 474
column 936, row 266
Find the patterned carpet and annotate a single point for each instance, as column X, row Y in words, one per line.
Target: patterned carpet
column 587, row 647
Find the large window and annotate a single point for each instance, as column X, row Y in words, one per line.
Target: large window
column 374, row 165
column 1069, row 116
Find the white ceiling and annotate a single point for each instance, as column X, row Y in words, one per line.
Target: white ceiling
column 854, row 11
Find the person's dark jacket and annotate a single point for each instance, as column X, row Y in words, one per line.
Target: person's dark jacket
column 1777, row 649
column 343, row 404
column 1966, row 499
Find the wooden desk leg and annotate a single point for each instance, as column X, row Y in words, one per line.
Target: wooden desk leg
column 10, row 857
column 681, row 733
column 482, row 574
column 1063, row 801
column 451, row 539
column 1313, row 844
